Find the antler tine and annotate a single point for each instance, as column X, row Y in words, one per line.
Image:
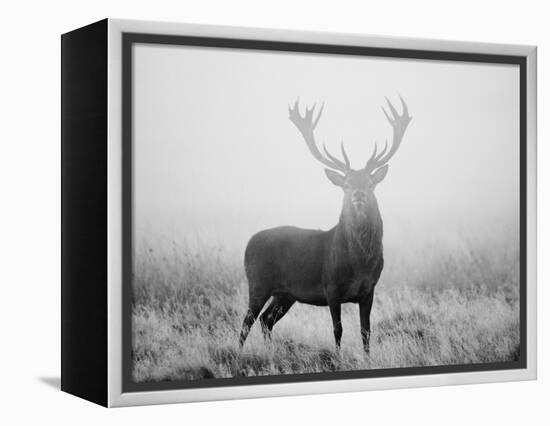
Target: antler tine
column 383, row 151
column 392, row 109
column 341, row 165
column 373, row 156
column 404, row 106
column 399, row 124
column 306, row 124
column 387, row 115
column 318, row 115
column 344, row 155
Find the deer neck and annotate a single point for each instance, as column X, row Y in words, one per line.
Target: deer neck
column 361, row 232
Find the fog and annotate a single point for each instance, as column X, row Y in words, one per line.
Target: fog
column 216, row 157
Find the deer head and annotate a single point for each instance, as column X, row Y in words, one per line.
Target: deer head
column 358, row 185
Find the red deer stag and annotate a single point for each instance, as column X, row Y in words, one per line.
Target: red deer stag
column 323, row 268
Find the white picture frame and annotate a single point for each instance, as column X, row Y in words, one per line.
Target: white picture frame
column 120, row 37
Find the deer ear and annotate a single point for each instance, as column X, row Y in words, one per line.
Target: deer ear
column 380, row 174
column 336, row 178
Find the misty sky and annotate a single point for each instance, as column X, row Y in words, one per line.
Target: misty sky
column 216, row 156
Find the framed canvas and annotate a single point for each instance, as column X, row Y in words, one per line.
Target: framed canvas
column 253, row 212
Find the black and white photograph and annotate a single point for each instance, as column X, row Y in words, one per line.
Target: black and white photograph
column 310, row 213
column 303, row 213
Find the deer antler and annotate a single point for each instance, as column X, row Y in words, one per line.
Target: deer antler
column 399, row 124
column 306, row 125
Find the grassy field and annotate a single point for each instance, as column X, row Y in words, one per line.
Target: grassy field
column 438, row 307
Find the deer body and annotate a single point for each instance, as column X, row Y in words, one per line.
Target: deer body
column 324, row 268
column 310, row 266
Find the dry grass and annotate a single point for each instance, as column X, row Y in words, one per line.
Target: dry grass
column 449, row 308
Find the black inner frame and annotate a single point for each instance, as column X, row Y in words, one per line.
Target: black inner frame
column 130, row 39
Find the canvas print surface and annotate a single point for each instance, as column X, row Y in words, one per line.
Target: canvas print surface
column 310, row 213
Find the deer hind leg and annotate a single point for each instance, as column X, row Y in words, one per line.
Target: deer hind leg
column 255, row 305
column 336, row 314
column 277, row 309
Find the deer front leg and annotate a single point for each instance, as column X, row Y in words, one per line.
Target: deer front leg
column 365, row 307
column 335, row 313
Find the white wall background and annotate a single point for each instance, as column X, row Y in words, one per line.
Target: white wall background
column 29, row 315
